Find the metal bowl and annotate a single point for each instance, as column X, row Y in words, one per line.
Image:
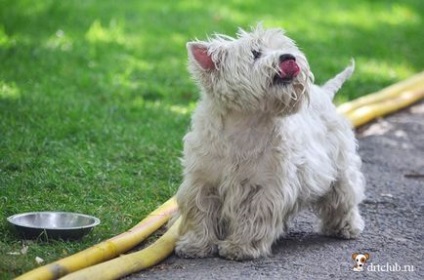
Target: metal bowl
column 53, row 225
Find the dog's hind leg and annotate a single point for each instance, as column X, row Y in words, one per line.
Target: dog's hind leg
column 338, row 209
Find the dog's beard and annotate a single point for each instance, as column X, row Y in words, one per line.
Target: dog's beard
column 290, row 95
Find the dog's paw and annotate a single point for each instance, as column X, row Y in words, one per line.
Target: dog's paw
column 347, row 226
column 190, row 251
column 358, row 269
column 348, row 230
column 236, row 252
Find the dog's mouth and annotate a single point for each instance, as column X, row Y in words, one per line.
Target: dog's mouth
column 288, row 70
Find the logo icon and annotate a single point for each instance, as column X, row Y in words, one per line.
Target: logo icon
column 360, row 260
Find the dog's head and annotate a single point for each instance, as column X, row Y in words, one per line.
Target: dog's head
column 360, row 260
column 259, row 70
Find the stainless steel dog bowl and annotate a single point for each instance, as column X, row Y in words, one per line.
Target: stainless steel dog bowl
column 53, row 225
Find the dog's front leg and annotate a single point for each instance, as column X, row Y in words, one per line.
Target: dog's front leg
column 199, row 208
column 255, row 216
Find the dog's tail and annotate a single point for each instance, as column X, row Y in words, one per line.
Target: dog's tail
column 333, row 85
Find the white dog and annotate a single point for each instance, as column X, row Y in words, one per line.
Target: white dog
column 264, row 142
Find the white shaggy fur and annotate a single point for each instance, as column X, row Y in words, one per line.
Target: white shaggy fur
column 260, row 149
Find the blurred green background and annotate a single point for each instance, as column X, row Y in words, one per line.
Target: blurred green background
column 95, row 97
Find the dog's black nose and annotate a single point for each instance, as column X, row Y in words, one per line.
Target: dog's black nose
column 287, row 56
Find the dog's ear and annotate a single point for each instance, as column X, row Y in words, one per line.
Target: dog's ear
column 367, row 256
column 354, row 255
column 199, row 52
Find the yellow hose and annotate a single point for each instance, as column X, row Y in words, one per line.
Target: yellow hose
column 414, row 83
column 366, row 113
column 131, row 263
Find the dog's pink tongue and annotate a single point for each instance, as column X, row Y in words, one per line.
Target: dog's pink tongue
column 289, row 69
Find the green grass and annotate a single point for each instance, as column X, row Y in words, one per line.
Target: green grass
column 95, row 97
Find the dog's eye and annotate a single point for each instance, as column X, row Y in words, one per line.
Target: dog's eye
column 256, row 54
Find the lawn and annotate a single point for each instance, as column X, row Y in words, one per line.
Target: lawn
column 95, row 97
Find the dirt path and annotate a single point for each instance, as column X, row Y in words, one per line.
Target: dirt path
column 393, row 154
